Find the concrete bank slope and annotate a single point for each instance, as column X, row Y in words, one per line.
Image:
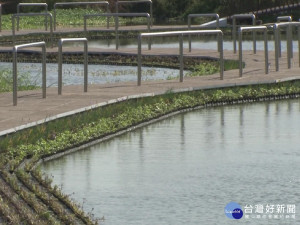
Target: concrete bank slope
column 32, row 108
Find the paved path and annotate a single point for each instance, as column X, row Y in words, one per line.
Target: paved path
column 32, row 107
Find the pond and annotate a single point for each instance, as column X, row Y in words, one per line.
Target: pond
column 187, row 168
column 206, row 42
column 97, row 74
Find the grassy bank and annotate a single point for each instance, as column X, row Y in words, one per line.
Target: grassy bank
column 68, row 18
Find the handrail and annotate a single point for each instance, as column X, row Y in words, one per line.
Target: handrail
column 79, row 3
column 279, row 20
column 116, row 16
column 190, row 16
column 0, row 17
column 289, row 26
column 180, row 34
column 85, row 55
column 15, row 68
column 136, row 2
column 284, row 18
column 45, row 5
column 243, row 16
column 31, row 14
column 253, row 28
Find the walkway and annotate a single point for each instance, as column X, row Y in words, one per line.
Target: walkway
column 32, row 107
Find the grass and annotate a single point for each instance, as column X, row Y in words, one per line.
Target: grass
column 24, row 81
column 68, row 18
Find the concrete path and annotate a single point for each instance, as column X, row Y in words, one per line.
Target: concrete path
column 32, row 107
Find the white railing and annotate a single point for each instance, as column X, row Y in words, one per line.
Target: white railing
column 234, row 26
column 116, row 16
column 43, row 5
column 180, row 34
column 15, row 67
column 14, row 16
column 253, row 29
column 85, row 61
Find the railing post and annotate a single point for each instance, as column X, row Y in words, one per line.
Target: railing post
column 289, row 46
column 0, row 17
column 234, row 34
column 254, row 34
column 85, row 66
column 15, row 70
column 139, row 60
column 44, row 81
column 13, row 29
column 240, row 52
column 298, row 33
column 220, row 44
column 276, row 33
column 149, row 39
column 181, row 57
column 117, row 31
column 85, row 56
column 189, row 28
column 59, row 67
column 15, row 80
column 266, row 51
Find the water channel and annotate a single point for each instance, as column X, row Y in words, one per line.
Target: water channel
column 185, row 169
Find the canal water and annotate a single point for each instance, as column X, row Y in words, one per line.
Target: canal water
column 187, row 168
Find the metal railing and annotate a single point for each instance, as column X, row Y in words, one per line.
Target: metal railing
column 253, row 29
column 284, row 19
column 80, row 3
column 85, row 61
column 31, row 14
column 180, row 34
column 116, row 16
column 190, row 16
column 279, row 20
column 136, row 2
column 239, row 17
column 44, row 5
column 0, row 17
column 15, row 67
column 289, row 35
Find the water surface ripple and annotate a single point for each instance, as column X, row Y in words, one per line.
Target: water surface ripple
column 185, row 169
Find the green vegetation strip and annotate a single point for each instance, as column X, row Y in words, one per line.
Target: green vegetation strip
column 20, row 151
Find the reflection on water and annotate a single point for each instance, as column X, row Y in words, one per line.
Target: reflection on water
column 185, row 169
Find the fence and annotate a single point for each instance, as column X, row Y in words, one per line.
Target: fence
column 253, row 29
column 44, row 5
column 239, row 17
column 190, row 16
column 0, row 17
column 116, row 16
column 79, row 3
column 85, row 55
column 283, row 19
column 136, row 2
column 31, row 14
column 288, row 26
column 15, row 68
column 180, row 34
